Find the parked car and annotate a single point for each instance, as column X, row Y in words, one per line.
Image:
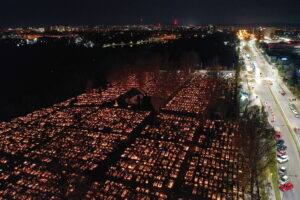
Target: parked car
column 283, row 156
column 281, row 147
column 282, row 171
column 278, row 137
column 282, row 152
column 278, row 133
column 282, row 159
column 286, row 186
column 282, row 92
column 283, row 180
column 277, row 130
column 279, row 142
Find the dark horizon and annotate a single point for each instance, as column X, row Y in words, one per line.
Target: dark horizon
column 266, row 24
column 32, row 13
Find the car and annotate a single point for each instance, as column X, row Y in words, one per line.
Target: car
column 282, row 92
column 292, row 108
column 278, row 133
column 287, row 186
column 279, row 142
column 297, row 116
column 281, row 174
column 284, row 179
column 282, row 151
column 282, row 171
column 280, row 154
column 278, row 137
column 281, row 147
column 282, row 159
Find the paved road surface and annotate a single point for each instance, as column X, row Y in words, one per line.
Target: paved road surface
column 264, row 91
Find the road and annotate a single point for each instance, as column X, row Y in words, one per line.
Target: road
column 283, row 100
column 268, row 94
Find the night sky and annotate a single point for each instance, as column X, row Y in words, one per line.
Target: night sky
column 96, row 12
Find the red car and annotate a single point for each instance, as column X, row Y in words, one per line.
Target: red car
column 278, row 137
column 278, row 133
column 286, row 186
column 282, row 152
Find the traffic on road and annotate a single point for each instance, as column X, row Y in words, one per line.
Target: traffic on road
column 269, row 91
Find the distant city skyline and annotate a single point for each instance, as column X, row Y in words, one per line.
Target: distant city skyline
column 18, row 13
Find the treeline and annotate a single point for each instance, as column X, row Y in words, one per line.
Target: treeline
column 257, row 147
column 40, row 75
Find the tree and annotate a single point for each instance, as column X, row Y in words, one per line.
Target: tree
column 256, row 141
